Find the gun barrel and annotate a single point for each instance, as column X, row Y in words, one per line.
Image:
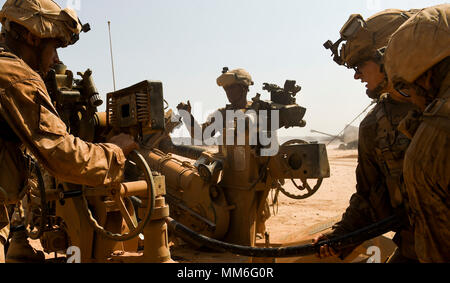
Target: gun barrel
column 333, row 136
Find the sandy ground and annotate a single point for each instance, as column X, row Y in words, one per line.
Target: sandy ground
column 292, row 220
column 329, row 202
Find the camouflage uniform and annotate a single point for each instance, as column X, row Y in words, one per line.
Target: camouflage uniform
column 31, row 120
column 238, row 76
column 379, row 173
column 423, row 44
column 28, row 119
column 427, row 178
column 381, row 146
column 242, row 77
column 229, row 78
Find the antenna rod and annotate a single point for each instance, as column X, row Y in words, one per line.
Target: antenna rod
column 112, row 58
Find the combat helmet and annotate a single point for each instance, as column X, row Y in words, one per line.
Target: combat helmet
column 418, row 45
column 238, row 76
column 44, row 19
column 363, row 38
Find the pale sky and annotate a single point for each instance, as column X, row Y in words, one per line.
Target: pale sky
column 186, row 43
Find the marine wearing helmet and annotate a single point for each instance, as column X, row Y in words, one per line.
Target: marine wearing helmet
column 417, row 62
column 362, row 39
column 44, row 19
column 236, row 84
column 381, row 147
column 32, row 31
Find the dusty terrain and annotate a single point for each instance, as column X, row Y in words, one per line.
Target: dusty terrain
column 294, row 221
column 329, row 202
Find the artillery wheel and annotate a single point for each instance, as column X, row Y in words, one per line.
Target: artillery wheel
column 301, row 187
column 135, row 227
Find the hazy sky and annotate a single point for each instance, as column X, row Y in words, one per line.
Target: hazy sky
column 186, row 43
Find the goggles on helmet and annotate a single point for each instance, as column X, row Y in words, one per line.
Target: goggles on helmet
column 354, row 24
column 84, row 28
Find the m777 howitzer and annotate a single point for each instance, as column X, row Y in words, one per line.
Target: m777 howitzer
column 223, row 193
column 206, row 196
column 100, row 221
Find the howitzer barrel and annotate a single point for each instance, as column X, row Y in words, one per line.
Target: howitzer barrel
column 187, row 189
column 178, row 175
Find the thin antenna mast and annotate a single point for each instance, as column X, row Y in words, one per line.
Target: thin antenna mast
column 112, row 58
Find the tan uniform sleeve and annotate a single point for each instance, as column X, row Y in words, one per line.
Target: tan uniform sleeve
column 427, row 179
column 359, row 212
column 371, row 198
column 26, row 106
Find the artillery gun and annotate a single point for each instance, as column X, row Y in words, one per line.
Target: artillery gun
column 103, row 222
column 222, row 193
column 219, row 195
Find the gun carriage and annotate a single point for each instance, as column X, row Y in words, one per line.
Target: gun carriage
column 219, row 195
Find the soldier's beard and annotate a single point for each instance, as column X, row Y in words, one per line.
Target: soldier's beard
column 378, row 90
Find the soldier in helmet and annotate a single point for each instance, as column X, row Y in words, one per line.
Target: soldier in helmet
column 33, row 30
column 417, row 62
column 381, row 146
column 236, row 84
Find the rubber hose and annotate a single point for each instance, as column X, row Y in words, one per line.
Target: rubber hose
column 338, row 243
